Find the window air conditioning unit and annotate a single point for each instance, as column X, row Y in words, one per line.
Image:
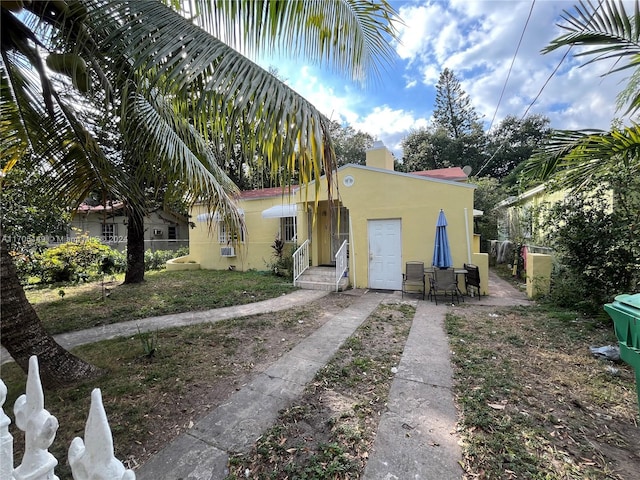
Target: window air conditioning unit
column 227, row 252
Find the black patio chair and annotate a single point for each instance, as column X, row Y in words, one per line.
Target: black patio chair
column 472, row 279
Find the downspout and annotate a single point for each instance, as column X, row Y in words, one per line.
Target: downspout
column 353, row 249
column 466, row 226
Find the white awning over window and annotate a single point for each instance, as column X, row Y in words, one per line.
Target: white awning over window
column 280, row 211
column 203, row 217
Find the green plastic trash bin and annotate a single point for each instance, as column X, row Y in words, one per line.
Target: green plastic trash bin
column 625, row 312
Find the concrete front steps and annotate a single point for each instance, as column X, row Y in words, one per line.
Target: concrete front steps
column 321, row 278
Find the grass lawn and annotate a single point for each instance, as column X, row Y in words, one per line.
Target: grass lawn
column 535, row 403
column 92, row 304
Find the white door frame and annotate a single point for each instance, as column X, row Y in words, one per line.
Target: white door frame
column 385, row 253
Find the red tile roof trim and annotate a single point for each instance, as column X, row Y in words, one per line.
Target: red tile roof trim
column 451, row 173
column 85, row 208
column 267, row 192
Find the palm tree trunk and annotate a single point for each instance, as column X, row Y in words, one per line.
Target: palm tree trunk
column 135, row 250
column 23, row 335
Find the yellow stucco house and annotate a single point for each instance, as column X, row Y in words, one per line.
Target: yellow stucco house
column 519, row 219
column 386, row 218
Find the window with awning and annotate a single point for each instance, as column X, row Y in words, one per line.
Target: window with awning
column 288, row 220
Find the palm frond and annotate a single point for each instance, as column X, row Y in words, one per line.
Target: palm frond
column 353, row 36
column 577, row 158
column 169, row 144
column 607, row 25
column 75, row 162
column 14, row 143
column 607, row 32
column 218, row 86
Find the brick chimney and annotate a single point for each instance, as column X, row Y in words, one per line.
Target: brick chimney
column 379, row 156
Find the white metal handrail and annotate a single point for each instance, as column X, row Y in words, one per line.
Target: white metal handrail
column 341, row 262
column 300, row 260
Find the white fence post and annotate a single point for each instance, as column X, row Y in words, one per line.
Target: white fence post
column 91, row 459
column 39, row 428
column 6, row 439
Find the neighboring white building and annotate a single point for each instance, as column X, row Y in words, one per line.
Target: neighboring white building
column 164, row 230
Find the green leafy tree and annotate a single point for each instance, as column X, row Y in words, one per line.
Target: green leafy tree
column 350, row 145
column 455, row 139
column 597, row 239
column 486, row 196
column 429, row 148
column 30, row 219
column 513, row 142
column 175, row 90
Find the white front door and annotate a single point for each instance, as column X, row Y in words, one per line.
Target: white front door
column 385, row 253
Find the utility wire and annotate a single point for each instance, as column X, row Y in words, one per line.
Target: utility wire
column 539, row 92
column 528, row 108
column 513, row 60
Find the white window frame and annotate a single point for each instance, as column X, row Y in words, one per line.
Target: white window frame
column 109, row 232
column 224, row 236
column 289, row 229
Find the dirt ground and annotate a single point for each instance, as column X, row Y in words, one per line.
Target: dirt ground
column 554, row 400
column 328, row 432
column 247, row 350
column 578, row 414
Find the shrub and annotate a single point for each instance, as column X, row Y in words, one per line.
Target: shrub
column 74, row 261
column 157, row 260
column 282, row 264
column 597, row 246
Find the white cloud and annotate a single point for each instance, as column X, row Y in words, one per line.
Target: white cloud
column 389, row 125
column 415, row 34
column 411, row 83
column 336, row 106
column 477, row 39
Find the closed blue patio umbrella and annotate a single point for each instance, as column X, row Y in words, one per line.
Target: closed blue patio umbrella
column 441, row 250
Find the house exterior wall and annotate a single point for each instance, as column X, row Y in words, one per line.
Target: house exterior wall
column 521, row 219
column 377, row 194
column 255, row 253
column 368, row 194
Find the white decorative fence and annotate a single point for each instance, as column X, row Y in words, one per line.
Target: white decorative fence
column 90, row 459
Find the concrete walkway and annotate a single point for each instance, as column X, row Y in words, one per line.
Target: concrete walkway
column 417, row 437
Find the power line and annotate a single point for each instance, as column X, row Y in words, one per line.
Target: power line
column 539, row 92
column 528, row 108
column 513, row 60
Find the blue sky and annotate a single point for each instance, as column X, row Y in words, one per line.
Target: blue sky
column 477, row 39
